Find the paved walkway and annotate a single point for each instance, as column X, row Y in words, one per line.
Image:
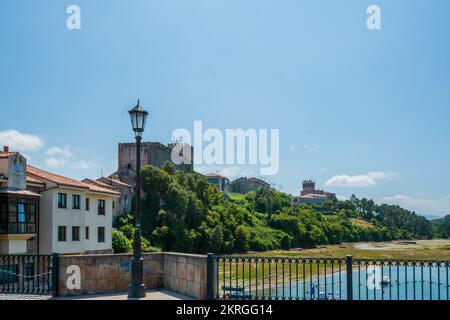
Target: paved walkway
column 151, row 295
column 23, row 297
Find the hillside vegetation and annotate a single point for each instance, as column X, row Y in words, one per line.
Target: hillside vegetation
column 182, row 212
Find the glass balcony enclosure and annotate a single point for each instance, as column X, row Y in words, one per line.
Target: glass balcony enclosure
column 18, row 215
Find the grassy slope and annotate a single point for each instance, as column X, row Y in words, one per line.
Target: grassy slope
column 423, row 249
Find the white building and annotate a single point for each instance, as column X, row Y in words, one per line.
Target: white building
column 42, row 212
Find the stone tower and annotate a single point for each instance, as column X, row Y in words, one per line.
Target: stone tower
column 309, row 187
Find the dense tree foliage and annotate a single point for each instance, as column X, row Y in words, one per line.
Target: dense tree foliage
column 182, row 212
column 441, row 227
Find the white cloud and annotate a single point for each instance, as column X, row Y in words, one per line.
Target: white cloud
column 421, row 204
column 65, row 157
column 60, row 152
column 55, row 162
column 293, row 147
column 237, row 172
column 21, row 142
column 309, row 147
column 363, row 180
column 85, row 165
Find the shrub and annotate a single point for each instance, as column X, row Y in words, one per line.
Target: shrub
column 120, row 243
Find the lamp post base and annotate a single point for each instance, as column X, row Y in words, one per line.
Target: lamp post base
column 137, row 291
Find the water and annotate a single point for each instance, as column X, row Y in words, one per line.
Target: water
column 406, row 283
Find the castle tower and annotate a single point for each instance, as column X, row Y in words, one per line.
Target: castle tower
column 309, row 186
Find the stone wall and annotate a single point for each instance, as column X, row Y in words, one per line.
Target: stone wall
column 177, row 272
column 185, row 274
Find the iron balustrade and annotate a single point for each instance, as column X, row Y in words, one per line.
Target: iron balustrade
column 29, row 274
column 316, row 278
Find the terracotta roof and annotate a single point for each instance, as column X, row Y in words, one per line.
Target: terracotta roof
column 311, row 196
column 99, row 183
column 120, row 183
column 39, row 174
column 52, row 177
column 214, row 175
column 96, row 188
column 34, row 180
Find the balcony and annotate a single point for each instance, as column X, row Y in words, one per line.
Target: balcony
column 18, row 215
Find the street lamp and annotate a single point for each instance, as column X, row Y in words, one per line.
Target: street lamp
column 137, row 288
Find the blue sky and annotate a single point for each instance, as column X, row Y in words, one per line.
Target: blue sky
column 367, row 111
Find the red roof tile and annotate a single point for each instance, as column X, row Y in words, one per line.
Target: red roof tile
column 120, row 183
column 55, row 178
column 34, row 180
column 96, row 188
column 214, row 175
column 39, row 174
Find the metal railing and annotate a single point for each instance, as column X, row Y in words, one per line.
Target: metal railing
column 29, row 274
column 289, row 278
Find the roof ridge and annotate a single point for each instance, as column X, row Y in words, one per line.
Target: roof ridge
column 79, row 183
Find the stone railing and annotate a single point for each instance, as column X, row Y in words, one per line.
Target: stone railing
column 94, row 274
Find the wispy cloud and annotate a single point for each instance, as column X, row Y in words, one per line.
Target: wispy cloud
column 64, row 152
column 65, row 157
column 55, row 162
column 363, row 180
column 22, row 142
column 421, row 204
column 310, row 147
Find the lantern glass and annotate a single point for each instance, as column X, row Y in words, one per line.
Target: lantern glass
column 138, row 119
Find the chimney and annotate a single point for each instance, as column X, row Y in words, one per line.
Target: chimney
column 5, row 149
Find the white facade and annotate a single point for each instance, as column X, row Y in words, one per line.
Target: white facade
column 52, row 217
column 33, row 221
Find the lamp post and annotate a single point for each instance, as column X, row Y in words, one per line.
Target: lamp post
column 137, row 287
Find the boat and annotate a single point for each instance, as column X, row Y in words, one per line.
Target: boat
column 385, row 281
column 328, row 296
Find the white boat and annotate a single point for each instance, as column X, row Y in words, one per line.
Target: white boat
column 328, row 296
column 385, row 281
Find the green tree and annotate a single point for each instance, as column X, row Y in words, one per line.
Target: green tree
column 242, row 235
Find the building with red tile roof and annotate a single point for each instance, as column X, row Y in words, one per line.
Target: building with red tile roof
column 52, row 213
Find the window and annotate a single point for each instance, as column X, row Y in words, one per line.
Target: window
column 21, row 218
column 62, row 200
column 87, row 204
column 18, row 216
column 75, row 201
column 101, row 234
column 62, row 233
column 114, row 204
column 87, row 233
column 101, row 207
column 75, row 233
